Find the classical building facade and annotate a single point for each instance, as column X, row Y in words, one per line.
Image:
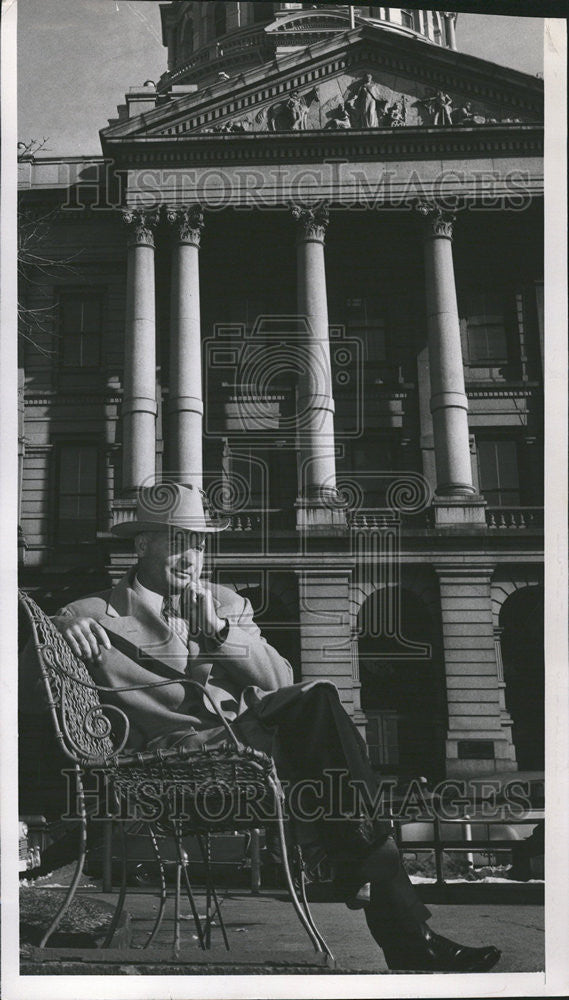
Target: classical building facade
column 306, row 275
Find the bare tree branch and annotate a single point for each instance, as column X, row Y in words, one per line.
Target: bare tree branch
column 37, row 263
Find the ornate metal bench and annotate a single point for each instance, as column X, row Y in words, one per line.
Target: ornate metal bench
column 94, row 736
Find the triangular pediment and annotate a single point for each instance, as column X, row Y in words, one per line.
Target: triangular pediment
column 357, row 80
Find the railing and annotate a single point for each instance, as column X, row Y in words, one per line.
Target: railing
column 514, row 518
column 371, row 518
column 439, row 845
column 216, row 51
column 258, row 519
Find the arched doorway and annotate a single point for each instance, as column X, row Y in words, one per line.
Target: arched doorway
column 402, row 692
column 521, row 625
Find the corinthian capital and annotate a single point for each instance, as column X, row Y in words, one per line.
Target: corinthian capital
column 141, row 223
column 311, row 222
column 438, row 221
column 187, row 223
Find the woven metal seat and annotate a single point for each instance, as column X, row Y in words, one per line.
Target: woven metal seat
column 192, row 792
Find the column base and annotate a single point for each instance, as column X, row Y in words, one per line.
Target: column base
column 457, row 511
column 320, row 509
column 123, row 507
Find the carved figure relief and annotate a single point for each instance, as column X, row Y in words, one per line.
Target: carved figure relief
column 397, row 114
column 440, row 107
column 349, row 102
column 291, row 114
column 230, row 128
column 298, row 109
column 367, row 103
column 340, row 117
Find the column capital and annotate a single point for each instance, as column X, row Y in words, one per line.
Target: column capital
column 141, row 223
column 311, row 222
column 437, row 221
column 187, row 223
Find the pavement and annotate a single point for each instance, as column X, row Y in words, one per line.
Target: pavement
column 268, row 920
column 266, row 924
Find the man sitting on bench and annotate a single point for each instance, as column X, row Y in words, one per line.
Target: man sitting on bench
column 162, row 617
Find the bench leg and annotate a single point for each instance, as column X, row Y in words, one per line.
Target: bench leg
column 108, row 855
column 305, row 917
column 211, row 895
column 163, row 891
column 123, row 887
column 80, row 861
column 182, row 869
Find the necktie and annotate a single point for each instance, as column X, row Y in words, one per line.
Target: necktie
column 171, row 615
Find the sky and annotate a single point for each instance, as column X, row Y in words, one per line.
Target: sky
column 77, row 58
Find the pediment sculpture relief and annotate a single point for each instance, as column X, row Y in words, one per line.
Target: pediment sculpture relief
column 291, row 114
column 363, row 103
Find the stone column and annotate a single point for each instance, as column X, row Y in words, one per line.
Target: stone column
column 450, row 18
column 185, row 407
column 315, row 404
column 139, row 402
column 478, row 737
column 449, row 404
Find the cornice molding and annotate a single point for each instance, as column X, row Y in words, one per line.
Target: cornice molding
column 378, row 145
column 70, row 399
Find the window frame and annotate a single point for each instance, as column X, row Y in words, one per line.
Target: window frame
column 98, row 292
column 59, row 449
column 506, row 298
column 502, row 500
column 386, row 749
column 363, row 328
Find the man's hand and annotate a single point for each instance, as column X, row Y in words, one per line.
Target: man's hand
column 86, row 637
column 199, row 608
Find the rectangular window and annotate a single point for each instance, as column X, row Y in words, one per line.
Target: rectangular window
column 81, row 322
column 486, row 327
column 406, row 19
column 364, row 320
column 382, row 738
column 498, row 471
column 77, row 493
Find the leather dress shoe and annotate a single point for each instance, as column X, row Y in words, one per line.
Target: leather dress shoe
column 427, row 951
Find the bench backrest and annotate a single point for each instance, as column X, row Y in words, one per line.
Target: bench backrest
column 90, row 733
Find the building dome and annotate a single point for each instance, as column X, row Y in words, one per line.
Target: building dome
column 206, row 40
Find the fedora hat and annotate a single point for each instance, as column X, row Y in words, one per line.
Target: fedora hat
column 169, row 505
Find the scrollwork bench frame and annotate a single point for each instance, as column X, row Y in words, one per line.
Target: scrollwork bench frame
column 94, row 736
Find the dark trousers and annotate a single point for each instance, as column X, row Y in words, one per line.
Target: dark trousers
column 314, row 738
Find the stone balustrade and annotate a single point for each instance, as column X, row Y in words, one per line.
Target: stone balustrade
column 514, row 518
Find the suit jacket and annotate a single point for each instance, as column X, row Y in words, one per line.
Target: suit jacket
column 239, row 673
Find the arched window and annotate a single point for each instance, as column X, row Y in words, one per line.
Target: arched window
column 220, row 19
